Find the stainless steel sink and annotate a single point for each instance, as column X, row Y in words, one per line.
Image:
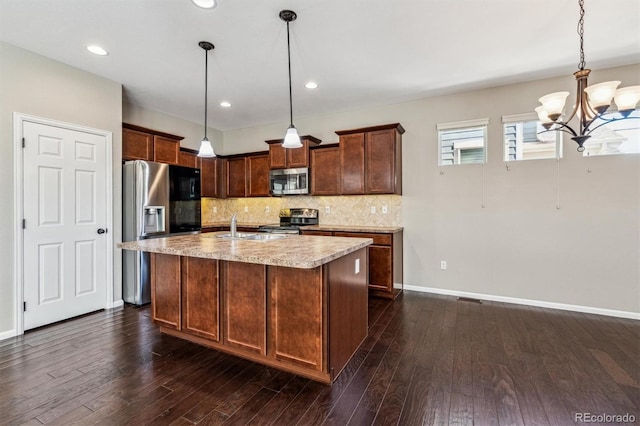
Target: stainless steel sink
column 252, row 236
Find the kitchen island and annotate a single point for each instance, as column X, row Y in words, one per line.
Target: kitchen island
column 296, row 303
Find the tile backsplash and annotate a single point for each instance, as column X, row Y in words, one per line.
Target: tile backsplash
column 338, row 210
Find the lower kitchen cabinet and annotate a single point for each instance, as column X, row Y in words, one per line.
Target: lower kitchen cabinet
column 200, row 297
column 165, row 293
column 385, row 260
column 245, row 300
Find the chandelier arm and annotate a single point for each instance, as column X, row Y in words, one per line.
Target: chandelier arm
column 608, row 121
column 563, row 128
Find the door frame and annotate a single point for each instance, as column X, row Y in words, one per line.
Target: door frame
column 18, row 184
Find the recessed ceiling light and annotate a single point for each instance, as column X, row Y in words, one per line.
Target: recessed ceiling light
column 225, row 104
column 311, row 85
column 205, row 4
column 97, row 50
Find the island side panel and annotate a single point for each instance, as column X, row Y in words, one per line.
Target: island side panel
column 165, row 290
column 200, row 297
column 348, row 308
column 245, row 306
column 297, row 310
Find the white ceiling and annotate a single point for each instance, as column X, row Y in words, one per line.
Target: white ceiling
column 361, row 52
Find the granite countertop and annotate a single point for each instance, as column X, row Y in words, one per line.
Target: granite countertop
column 340, row 228
column 295, row 251
column 355, row 228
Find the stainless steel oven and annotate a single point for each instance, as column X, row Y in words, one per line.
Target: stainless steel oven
column 292, row 220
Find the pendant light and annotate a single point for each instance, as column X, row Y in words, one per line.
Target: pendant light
column 206, row 150
column 291, row 139
column 592, row 103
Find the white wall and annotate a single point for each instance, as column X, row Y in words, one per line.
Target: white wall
column 191, row 132
column 32, row 84
column 586, row 253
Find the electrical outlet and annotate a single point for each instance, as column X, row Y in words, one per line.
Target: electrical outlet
column 357, row 266
column 267, row 210
column 215, row 210
column 443, row 265
column 327, row 209
column 373, row 209
column 385, row 210
column 246, row 209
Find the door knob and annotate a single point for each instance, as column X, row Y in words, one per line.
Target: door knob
column 102, row 231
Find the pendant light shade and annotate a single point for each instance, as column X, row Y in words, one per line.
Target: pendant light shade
column 291, row 139
column 206, row 149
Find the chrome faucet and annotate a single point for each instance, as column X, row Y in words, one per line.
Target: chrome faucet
column 234, row 225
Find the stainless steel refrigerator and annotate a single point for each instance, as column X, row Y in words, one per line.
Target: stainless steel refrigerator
column 145, row 215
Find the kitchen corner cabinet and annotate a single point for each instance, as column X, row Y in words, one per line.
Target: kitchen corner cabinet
column 139, row 143
column 325, row 171
column 290, row 158
column 385, row 260
column 371, row 160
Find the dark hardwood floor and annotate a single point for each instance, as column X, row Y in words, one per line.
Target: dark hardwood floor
column 428, row 359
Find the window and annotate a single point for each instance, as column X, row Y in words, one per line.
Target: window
column 523, row 140
column 462, row 142
column 620, row 137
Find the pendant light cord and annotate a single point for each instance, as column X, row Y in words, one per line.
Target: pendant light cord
column 581, row 65
column 290, row 95
column 206, row 74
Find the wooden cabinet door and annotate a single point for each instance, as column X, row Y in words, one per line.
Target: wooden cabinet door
column 209, row 177
column 380, row 161
column 258, row 175
column 165, row 290
column 380, row 268
column 352, row 163
column 277, row 156
column 298, row 157
column 236, row 177
column 188, row 159
column 166, row 150
column 200, row 302
column 297, row 306
column 137, row 145
column 318, row 233
column 325, row 171
column 245, row 306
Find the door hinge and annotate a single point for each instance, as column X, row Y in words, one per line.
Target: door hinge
column 24, row 306
column 24, row 223
column 23, row 144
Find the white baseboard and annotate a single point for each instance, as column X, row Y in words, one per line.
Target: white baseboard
column 7, row 334
column 530, row 302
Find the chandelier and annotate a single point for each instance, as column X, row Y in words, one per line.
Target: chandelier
column 592, row 102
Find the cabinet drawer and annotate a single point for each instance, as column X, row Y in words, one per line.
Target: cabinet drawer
column 379, row 239
column 320, row 233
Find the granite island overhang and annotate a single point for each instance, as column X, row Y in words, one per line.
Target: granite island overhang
column 297, row 303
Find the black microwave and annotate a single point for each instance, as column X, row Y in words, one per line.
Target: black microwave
column 289, row 181
column 184, row 199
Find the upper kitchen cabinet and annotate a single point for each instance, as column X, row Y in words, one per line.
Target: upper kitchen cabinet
column 211, row 176
column 325, row 171
column 188, row 158
column 371, row 159
column 258, row 175
column 290, row 158
column 236, row 175
column 139, row 143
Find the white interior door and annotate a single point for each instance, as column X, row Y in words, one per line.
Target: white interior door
column 64, row 258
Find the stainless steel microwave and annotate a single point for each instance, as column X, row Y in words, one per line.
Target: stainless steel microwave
column 289, row 181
